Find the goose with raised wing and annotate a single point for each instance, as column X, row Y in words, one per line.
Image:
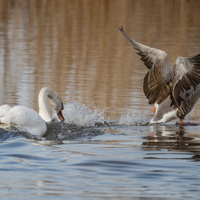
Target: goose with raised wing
column 173, row 93
column 28, row 119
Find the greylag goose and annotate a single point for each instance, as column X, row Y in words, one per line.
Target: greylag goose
column 173, row 93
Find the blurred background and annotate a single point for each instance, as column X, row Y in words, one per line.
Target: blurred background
column 75, row 47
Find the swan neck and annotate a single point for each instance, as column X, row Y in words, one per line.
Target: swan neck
column 43, row 107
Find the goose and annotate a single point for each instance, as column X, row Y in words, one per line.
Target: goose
column 28, row 119
column 173, row 93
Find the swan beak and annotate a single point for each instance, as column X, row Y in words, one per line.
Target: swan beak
column 60, row 115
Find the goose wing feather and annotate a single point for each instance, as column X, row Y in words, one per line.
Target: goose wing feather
column 157, row 81
column 186, row 84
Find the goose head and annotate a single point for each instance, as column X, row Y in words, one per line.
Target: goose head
column 164, row 112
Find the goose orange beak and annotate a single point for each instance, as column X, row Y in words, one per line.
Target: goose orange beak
column 154, row 109
column 60, row 115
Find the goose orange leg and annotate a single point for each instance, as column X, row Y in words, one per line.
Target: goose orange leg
column 181, row 122
column 188, row 123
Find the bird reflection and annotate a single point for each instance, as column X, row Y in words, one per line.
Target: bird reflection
column 178, row 138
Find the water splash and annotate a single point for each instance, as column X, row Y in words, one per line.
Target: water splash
column 133, row 119
column 81, row 115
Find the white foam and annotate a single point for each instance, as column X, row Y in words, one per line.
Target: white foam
column 133, row 118
column 81, row 115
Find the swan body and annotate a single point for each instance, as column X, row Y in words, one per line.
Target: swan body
column 28, row 119
column 172, row 92
column 23, row 117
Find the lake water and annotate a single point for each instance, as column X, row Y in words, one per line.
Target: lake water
column 106, row 149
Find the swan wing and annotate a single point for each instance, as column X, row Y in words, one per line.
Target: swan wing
column 157, row 81
column 186, row 84
column 26, row 119
column 29, row 119
column 4, row 110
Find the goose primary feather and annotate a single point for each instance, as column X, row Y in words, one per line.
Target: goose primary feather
column 173, row 92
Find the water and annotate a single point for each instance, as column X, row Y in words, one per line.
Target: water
column 105, row 149
column 125, row 162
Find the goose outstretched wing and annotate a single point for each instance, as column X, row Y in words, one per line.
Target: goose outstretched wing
column 157, row 81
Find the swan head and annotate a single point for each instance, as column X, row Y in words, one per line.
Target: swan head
column 59, row 112
column 56, row 103
column 47, row 94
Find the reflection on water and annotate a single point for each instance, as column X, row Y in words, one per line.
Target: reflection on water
column 173, row 138
column 125, row 162
column 106, row 150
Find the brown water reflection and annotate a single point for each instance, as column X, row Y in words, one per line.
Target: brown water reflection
column 75, row 47
column 178, row 139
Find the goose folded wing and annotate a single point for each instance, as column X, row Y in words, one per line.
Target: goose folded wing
column 186, row 83
column 157, row 81
column 189, row 103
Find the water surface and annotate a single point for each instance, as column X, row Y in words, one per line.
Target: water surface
column 106, row 149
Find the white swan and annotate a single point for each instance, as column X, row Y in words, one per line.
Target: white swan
column 28, row 119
